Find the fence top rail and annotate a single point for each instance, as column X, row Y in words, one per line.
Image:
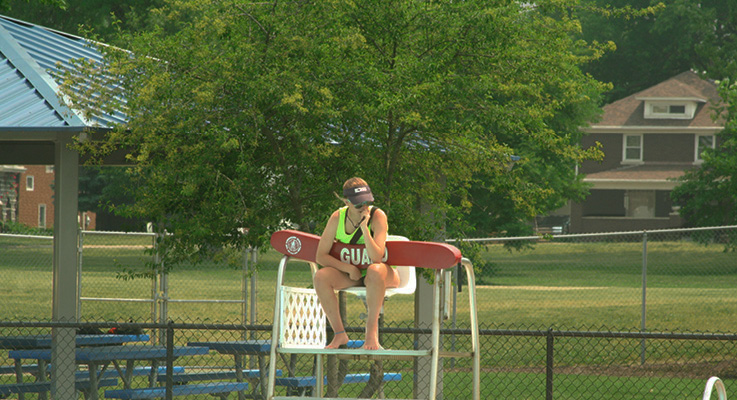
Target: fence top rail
column 118, row 233
column 396, row 330
column 585, row 235
column 26, row 236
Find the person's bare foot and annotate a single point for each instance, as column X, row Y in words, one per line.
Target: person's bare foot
column 339, row 339
column 372, row 344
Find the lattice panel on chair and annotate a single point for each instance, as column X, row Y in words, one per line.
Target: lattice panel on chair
column 302, row 320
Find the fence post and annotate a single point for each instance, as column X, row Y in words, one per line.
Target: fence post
column 80, row 244
column 254, row 289
column 169, row 361
column 162, row 294
column 244, row 289
column 550, row 343
column 643, row 326
column 154, row 286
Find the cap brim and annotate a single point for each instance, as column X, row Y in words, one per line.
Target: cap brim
column 361, row 197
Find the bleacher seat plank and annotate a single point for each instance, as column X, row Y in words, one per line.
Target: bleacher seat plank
column 308, row 381
column 45, row 386
column 213, row 375
column 178, row 390
column 137, row 371
column 26, row 368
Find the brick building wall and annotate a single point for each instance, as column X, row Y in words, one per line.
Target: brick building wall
column 36, row 199
column 36, row 196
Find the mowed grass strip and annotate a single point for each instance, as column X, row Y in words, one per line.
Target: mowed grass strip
column 691, row 287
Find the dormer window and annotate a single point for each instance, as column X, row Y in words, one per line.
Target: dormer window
column 671, row 108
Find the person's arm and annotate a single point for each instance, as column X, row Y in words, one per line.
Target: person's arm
column 375, row 245
column 323, row 256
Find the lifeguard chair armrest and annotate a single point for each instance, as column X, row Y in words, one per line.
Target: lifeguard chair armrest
column 431, row 255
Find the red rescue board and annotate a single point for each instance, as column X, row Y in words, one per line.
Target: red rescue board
column 419, row 254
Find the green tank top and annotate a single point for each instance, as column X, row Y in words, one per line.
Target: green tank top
column 343, row 237
column 340, row 234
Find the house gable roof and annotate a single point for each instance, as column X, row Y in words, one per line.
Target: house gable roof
column 29, row 55
column 630, row 111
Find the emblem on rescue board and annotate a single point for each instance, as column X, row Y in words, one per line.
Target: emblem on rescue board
column 293, row 245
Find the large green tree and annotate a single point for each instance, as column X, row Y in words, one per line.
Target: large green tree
column 248, row 115
column 104, row 17
column 671, row 37
column 708, row 195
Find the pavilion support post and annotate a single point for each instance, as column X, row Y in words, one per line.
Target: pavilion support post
column 64, row 309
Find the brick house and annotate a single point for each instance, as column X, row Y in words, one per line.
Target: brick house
column 27, row 197
column 649, row 139
column 9, row 182
column 36, row 196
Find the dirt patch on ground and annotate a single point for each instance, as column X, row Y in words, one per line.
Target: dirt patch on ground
column 102, row 246
column 502, row 287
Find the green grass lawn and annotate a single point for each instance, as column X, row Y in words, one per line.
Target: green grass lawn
column 691, row 287
column 576, row 286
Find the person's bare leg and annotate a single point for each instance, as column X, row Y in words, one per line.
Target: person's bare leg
column 326, row 282
column 378, row 278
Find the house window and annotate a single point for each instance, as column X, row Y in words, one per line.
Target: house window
column 640, row 203
column 667, row 110
column 29, row 183
column 703, row 142
column 49, row 169
column 42, row 215
column 632, row 148
column 679, row 109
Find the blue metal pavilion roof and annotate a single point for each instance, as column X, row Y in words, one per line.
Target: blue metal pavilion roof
column 28, row 90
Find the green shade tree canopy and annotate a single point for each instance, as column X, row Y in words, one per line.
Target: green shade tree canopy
column 707, row 195
column 248, row 116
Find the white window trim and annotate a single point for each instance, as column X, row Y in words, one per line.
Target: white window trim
column 32, row 180
column 625, row 160
column 689, row 110
column 696, row 155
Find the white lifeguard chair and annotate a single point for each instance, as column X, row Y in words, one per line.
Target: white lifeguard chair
column 299, row 326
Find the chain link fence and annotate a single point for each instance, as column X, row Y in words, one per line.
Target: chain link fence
column 681, row 280
column 641, row 315
column 516, row 364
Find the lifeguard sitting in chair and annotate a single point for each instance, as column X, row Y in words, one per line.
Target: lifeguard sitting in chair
column 358, row 222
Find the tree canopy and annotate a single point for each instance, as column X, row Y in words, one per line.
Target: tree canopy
column 707, row 195
column 670, row 37
column 250, row 115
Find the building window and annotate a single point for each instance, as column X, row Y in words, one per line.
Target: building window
column 49, row 169
column 640, row 203
column 632, row 148
column 29, row 183
column 42, row 215
column 703, row 142
column 667, row 110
